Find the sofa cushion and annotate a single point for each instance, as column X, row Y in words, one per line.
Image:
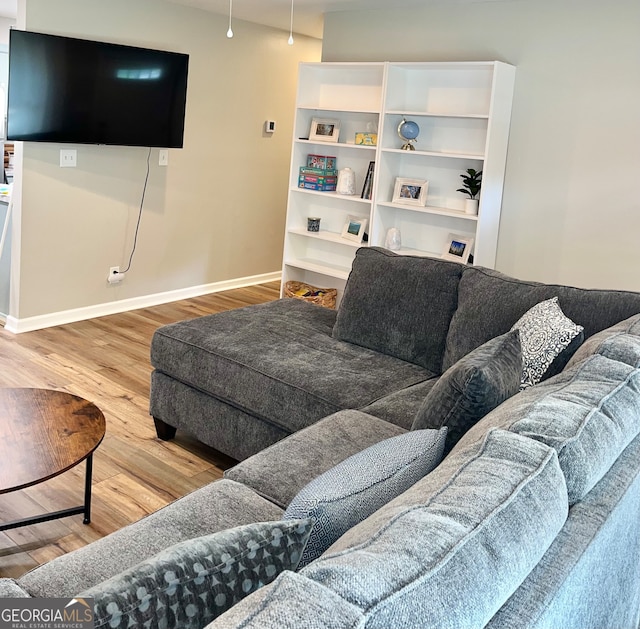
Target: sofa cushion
column 545, row 332
column 190, row 583
column 589, row 576
column 352, row 490
column 400, row 407
column 452, row 549
column 619, row 342
column 399, row 305
column 313, row 451
column 489, row 303
column 588, row 414
column 278, row 362
column 291, row 602
column 472, row 387
column 217, row 506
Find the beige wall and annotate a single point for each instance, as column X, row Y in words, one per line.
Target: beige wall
column 571, row 208
column 216, row 213
column 5, row 24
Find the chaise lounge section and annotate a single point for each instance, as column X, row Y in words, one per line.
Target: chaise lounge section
column 241, row 380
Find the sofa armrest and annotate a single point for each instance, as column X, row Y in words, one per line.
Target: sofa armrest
column 10, row 589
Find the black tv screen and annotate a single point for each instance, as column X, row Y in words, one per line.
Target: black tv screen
column 63, row 89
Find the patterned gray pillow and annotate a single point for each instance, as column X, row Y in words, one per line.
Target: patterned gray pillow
column 191, row 583
column 352, row 490
column 545, row 331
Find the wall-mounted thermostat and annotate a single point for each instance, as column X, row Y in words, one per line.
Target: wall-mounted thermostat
column 270, row 126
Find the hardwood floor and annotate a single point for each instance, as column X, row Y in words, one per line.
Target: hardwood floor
column 106, row 361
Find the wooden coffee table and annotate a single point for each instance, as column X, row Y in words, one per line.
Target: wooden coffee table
column 44, row 433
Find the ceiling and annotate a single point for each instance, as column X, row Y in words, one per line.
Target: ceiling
column 308, row 14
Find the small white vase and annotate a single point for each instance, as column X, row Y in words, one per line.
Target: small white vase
column 471, row 206
column 393, row 240
column 346, row 182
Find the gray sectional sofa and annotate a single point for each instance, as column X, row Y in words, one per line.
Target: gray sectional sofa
column 244, row 379
column 529, row 520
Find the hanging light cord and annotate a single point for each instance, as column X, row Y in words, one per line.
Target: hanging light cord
column 290, row 42
column 230, row 31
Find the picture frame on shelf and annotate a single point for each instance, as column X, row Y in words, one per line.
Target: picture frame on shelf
column 324, row 130
column 410, row 191
column 367, row 187
column 458, row 248
column 354, row 228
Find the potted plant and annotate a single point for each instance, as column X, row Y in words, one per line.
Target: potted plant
column 471, row 184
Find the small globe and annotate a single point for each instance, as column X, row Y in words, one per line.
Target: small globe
column 408, row 130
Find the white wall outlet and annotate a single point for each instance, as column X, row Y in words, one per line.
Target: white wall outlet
column 163, row 157
column 270, row 126
column 68, row 158
column 115, row 276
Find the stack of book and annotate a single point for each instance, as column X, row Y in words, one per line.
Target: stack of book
column 320, row 174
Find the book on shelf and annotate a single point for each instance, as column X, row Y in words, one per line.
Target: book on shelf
column 367, row 187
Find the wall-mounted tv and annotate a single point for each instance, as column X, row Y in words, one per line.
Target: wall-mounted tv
column 76, row 91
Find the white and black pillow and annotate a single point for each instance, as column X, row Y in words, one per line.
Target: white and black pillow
column 545, row 332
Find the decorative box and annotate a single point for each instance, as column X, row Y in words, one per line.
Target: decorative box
column 318, row 182
column 325, row 162
column 367, row 139
column 318, row 171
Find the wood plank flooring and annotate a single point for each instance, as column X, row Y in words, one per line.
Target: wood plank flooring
column 106, row 361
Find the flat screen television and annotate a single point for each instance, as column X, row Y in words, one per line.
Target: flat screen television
column 63, row 89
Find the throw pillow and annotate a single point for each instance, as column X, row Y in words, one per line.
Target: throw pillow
column 191, row 583
column 451, row 551
column 545, row 332
column 352, row 490
column 472, row 387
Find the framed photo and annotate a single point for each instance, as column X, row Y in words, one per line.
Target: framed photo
column 458, row 248
column 324, row 130
column 410, row 191
column 354, row 228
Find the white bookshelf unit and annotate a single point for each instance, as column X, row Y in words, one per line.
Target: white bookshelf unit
column 463, row 111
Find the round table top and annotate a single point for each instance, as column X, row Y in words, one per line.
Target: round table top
column 44, row 433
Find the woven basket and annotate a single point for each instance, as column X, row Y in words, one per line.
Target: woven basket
column 320, row 296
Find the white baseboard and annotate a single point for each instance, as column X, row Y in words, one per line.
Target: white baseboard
column 39, row 322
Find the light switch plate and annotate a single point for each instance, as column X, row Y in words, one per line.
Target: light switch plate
column 68, row 158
